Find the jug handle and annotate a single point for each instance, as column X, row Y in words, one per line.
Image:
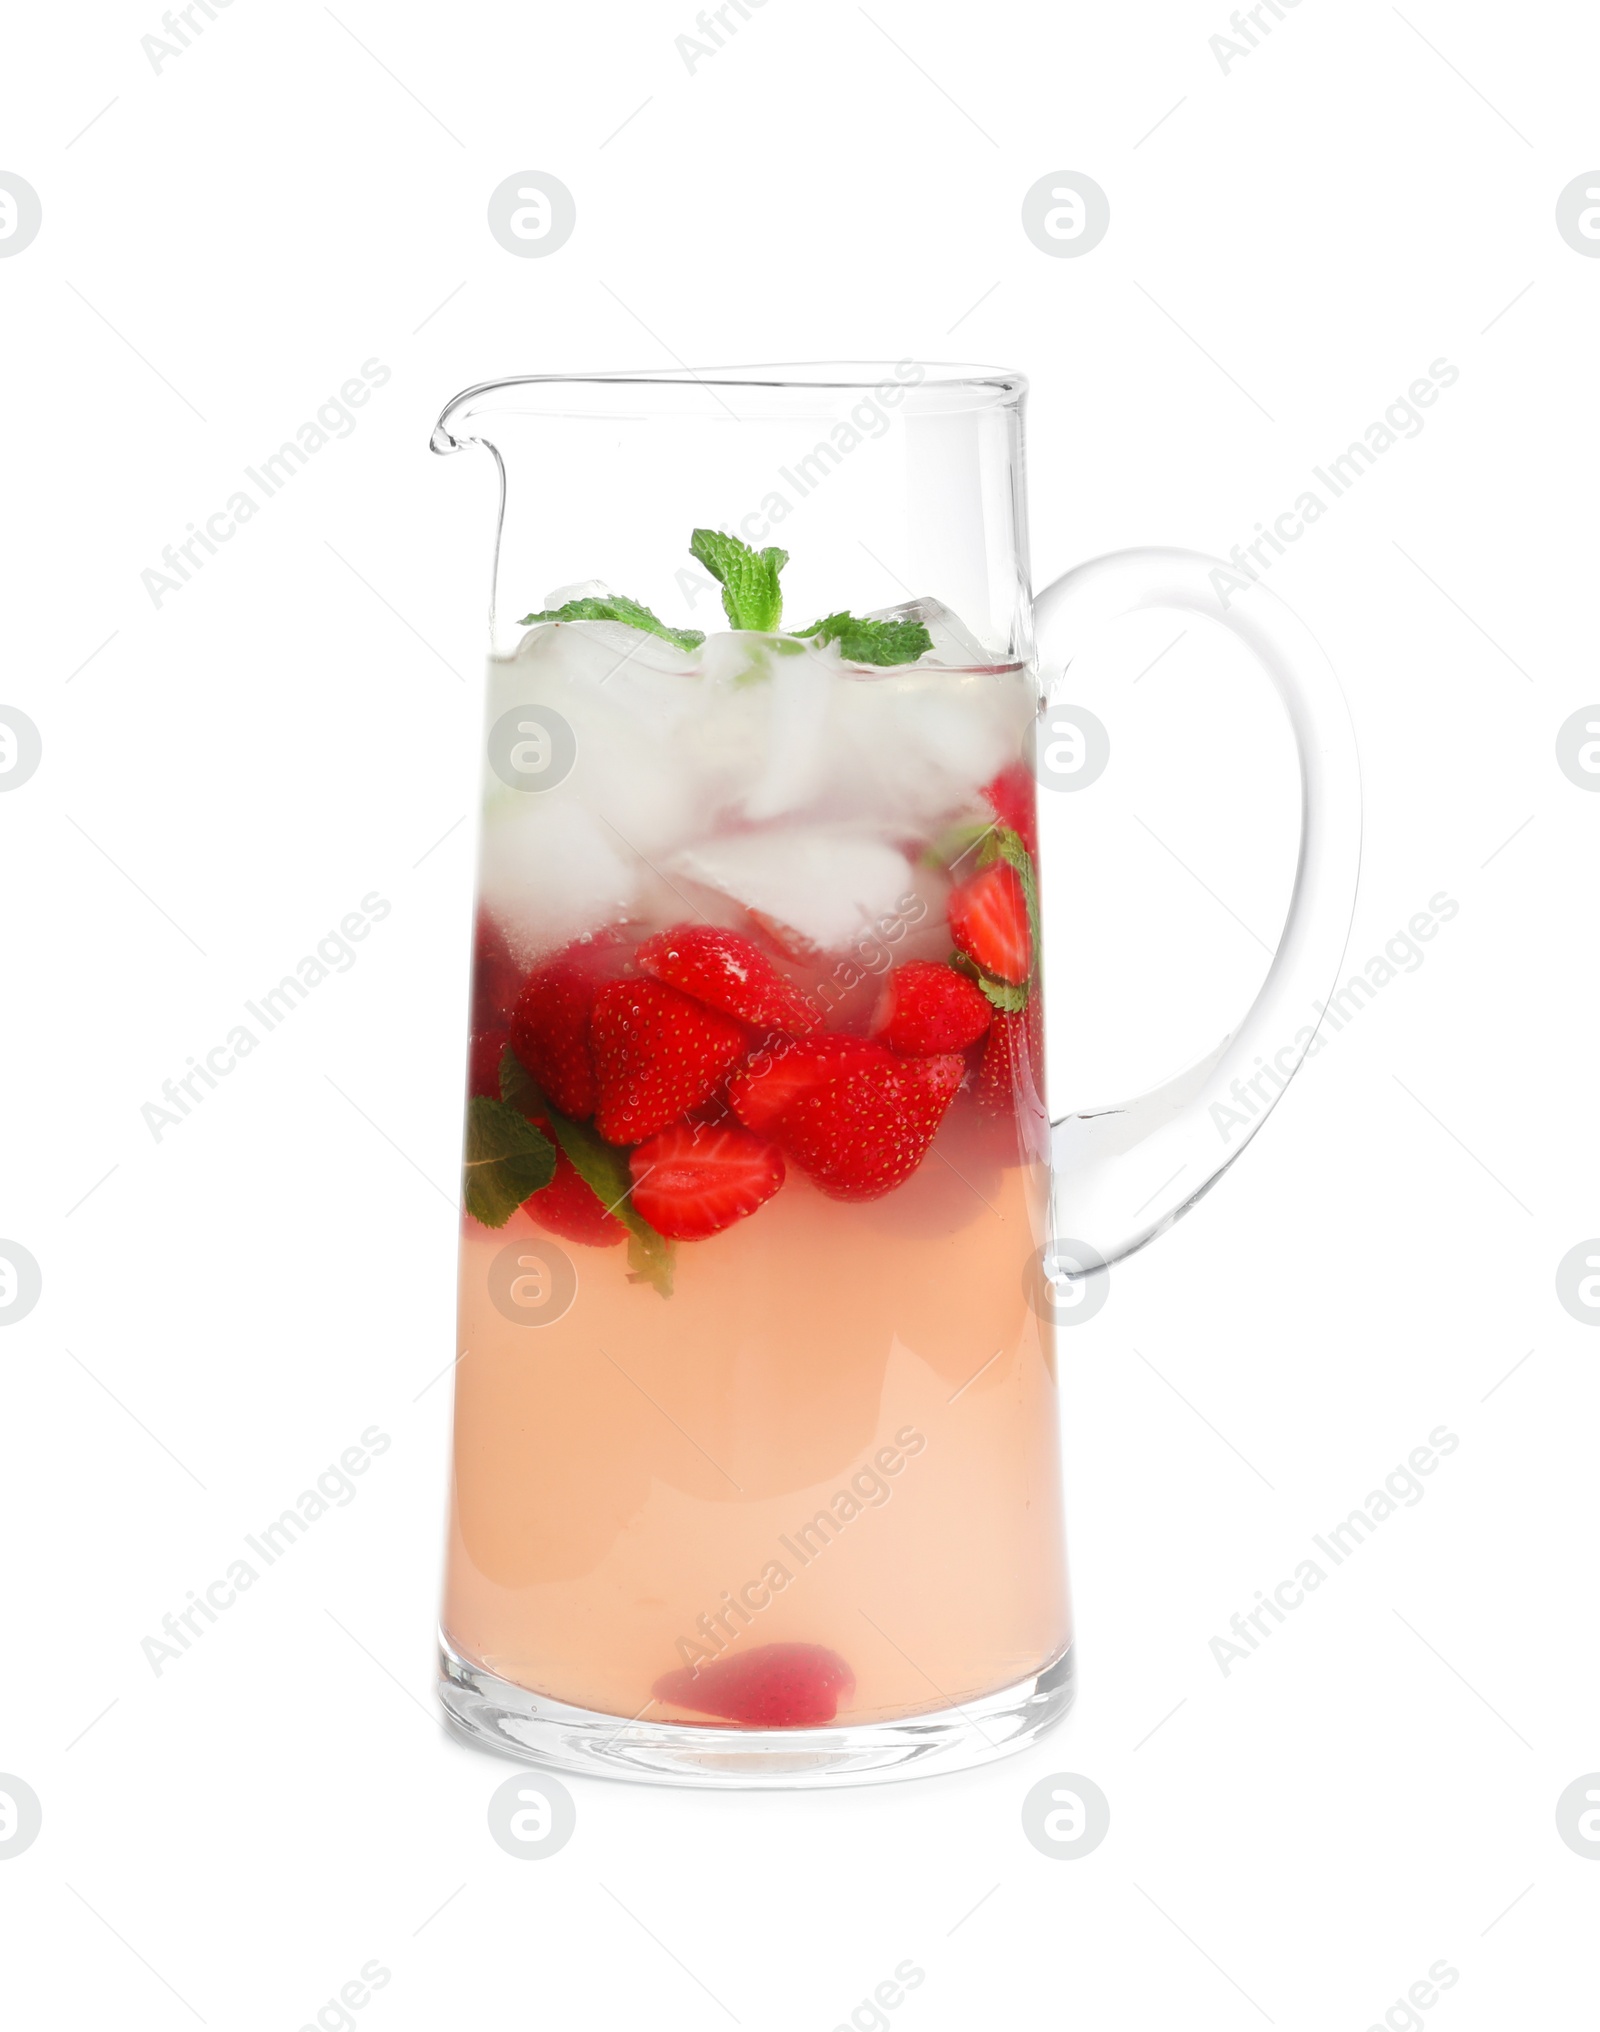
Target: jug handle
column 1124, row 1174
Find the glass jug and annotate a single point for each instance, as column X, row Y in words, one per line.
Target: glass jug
column 767, row 1230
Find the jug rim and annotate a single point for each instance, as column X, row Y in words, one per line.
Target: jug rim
column 942, row 385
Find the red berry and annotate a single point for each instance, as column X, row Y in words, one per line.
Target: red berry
column 726, row 971
column 775, row 1686
column 570, row 1208
column 496, row 977
column 655, row 1054
column 483, row 1062
column 692, row 1182
column 772, row 1078
column 864, row 1124
column 989, row 921
column 1013, row 799
column 927, row 1008
column 1012, row 1067
column 550, row 1027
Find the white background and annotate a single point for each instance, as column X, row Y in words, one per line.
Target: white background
column 225, row 777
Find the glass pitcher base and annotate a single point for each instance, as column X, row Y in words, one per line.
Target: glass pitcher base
column 495, row 1714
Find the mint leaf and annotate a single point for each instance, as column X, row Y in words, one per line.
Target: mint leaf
column 879, row 642
column 507, row 1159
column 602, row 1167
column 618, row 607
column 751, row 597
column 1001, row 994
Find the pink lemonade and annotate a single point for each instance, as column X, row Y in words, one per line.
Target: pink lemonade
column 756, row 1409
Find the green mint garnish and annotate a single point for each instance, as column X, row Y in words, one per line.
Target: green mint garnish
column 602, row 1167
column 880, row 642
column 751, row 596
column 507, row 1158
column 1001, row 994
column 617, row 607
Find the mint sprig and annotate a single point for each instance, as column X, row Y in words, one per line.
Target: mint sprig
column 507, row 1158
column 617, row 607
column 602, row 1167
column 1003, row 995
column 879, row 642
column 751, row 596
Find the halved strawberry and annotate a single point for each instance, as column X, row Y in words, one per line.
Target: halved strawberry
column 692, row 1182
column 550, row 1026
column 656, row 1052
column 776, row 1075
column 569, row 1207
column 860, row 1123
column 726, row 971
column 1013, row 798
column 926, row 1008
column 775, row 1686
column 989, row 921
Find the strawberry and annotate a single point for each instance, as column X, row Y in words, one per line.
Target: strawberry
column 862, row 1122
column 776, row 1075
column 775, row 1686
column 1011, row 1070
column 725, row 971
column 1012, row 798
column 568, row 1207
column 483, row 1062
column 989, row 921
column 496, row 977
column 550, row 1025
column 692, row 1182
column 655, row 1053
column 926, row 1008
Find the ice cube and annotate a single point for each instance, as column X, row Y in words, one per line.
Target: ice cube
column 916, row 746
column 827, row 883
column 954, row 644
column 550, row 873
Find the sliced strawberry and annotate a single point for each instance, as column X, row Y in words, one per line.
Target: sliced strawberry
column 775, row 1686
column 792, row 944
column 483, row 1062
column 1013, row 798
column 550, row 1027
column 989, row 921
column 864, row 1125
column 571, row 1209
column 726, row 971
column 656, row 1053
column 692, row 1182
column 926, row 1008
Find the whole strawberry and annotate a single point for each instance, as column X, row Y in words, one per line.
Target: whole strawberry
column 656, row 1053
column 550, row 1025
column 927, row 1008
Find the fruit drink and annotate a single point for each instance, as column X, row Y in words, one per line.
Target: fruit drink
column 756, row 1419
